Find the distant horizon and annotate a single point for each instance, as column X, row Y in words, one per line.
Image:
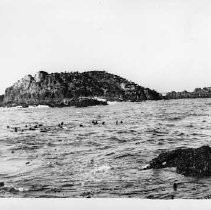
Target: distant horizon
column 163, row 45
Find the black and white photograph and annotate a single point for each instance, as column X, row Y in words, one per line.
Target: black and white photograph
column 105, row 99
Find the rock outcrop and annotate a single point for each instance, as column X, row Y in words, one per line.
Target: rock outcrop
column 65, row 89
column 79, row 102
column 197, row 93
column 189, row 162
column 1, row 99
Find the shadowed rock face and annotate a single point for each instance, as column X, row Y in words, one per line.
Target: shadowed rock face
column 57, row 89
column 189, row 162
column 1, row 99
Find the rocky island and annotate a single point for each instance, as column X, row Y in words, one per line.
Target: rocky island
column 197, row 93
column 74, row 89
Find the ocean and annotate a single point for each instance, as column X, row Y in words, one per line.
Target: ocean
column 79, row 159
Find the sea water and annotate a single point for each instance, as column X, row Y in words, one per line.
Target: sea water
column 80, row 159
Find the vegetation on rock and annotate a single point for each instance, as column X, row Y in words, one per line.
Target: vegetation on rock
column 63, row 89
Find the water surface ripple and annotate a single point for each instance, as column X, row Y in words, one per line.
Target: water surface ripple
column 80, row 159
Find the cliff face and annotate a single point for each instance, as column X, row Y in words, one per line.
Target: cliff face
column 197, row 93
column 64, row 88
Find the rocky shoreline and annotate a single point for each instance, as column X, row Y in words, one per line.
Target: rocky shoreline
column 197, row 93
column 84, row 89
column 79, row 102
column 74, row 89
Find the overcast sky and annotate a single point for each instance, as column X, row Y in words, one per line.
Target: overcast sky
column 160, row 44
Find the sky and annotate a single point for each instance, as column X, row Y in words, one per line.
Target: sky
column 161, row 44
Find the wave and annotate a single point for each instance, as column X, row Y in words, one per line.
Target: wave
column 99, row 99
column 103, row 168
column 39, row 106
column 112, row 102
column 29, row 107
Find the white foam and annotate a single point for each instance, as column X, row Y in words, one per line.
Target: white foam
column 100, row 99
column 102, row 168
column 18, row 107
column 112, row 102
column 39, row 106
column 145, row 167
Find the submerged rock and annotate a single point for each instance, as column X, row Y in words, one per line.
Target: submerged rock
column 189, row 162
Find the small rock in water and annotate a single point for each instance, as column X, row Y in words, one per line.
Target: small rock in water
column 121, row 121
column 87, row 194
column 117, row 122
column 12, row 190
column 26, row 126
column 62, row 123
column 94, row 122
column 43, row 130
column 27, row 163
column 175, row 186
column 16, row 129
column 12, row 151
column 1, row 184
column 81, row 125
column 8, row 126
column 103, row 123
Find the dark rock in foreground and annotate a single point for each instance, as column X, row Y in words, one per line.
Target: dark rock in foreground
column 66, row 88
column 189, row 162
